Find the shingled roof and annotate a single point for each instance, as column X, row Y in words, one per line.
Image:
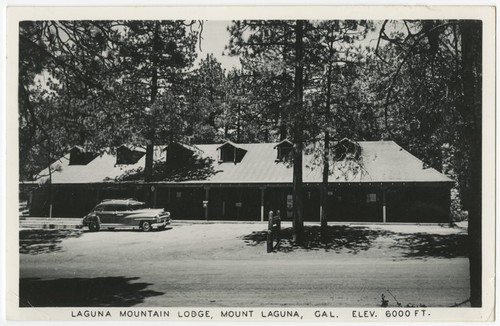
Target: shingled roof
column 381, row 161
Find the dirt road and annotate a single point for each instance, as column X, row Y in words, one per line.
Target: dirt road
column 227, row 265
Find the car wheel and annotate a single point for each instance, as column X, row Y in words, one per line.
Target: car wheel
column 146, row 226
column 94, row 226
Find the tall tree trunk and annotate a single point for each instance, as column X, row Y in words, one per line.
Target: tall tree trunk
column 283, row 128
column 238, row 124
column 148, row 168
column 324, row 189
column 471, row 33
column 298, row 221
column 51, row 190
column 326, row 163
column 150, row 136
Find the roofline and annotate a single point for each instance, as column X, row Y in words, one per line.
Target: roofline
column 401, row 148
column 283, row 141
column 235, row 145
column 77, row 146
column 255, row 184
column 29, row 182
column 227, row 142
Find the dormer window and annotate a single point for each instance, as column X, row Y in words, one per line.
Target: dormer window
column 231, row 152
column 178, row 155
column 284, row 150
column 346, row 148
column 227, row 154
column 78, row 156
column 129, row 155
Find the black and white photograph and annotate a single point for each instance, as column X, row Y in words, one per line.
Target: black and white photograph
column 294, row 168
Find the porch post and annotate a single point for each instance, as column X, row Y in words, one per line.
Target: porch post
column 322, row 193
column 207, row 189
column 448, row 202
column 384, row 209
column 155, row 195
column 97, row 195
column 262, row 189
column 30, row 201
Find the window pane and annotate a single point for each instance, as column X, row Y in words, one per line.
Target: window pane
column 108, row 208
column 120, row 208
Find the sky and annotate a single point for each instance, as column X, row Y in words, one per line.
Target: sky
column 215, row 37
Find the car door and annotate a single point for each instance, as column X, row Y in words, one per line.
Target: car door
column 120, row 214
column 107, row 214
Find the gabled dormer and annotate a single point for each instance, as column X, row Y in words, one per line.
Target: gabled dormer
column 129, row 154
column 178, row 154
column 79, row 156
column 284, row 150
column 230, row 152
column 346, row 148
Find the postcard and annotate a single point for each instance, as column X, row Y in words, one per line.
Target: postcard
column 256, row 164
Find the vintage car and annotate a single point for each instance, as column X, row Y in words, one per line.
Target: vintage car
column 126, row 213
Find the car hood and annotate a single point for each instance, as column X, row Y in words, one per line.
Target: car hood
column 148, row 210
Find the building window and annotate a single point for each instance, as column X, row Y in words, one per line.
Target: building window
column 371, row 198
column 284, row 153
column 227, row 154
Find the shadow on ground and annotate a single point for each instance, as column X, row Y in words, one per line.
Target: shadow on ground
column 424, row 245
column 354, row 239
column 83, row 292
column 127, row 230
column 39, row 241
column 340, row 238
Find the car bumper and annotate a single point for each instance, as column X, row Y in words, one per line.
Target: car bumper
column 161, row 224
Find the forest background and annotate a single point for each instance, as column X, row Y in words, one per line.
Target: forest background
column 100, row 84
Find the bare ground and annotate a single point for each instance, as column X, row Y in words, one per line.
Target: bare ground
column 220, row 265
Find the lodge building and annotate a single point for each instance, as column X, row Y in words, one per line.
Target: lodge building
column 232, row 181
